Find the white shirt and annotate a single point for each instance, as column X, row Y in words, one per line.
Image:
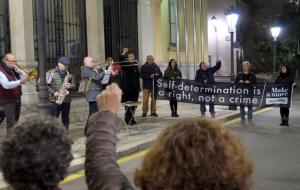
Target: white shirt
column 106, row 77
column 8, row 84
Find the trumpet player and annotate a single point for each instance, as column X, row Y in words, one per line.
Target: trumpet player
column 59, row 81
column 11, row 81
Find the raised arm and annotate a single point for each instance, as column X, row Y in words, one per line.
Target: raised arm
column 101, row 168
column 216, row 67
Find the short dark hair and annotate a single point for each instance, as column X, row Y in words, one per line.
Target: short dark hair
column 36, row 155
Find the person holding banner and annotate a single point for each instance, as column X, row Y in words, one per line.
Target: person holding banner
column 173, row 73
column 205, row 75
column 150, row 73
column 246, row 77
column 284, row 77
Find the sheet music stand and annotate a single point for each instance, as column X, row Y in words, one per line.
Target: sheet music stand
column 128, row 105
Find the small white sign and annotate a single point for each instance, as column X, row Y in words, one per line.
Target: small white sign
column 270, row 101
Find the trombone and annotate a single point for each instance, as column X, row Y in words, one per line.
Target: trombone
column 31, row 74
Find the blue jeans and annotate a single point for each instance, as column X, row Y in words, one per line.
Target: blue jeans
column 243, row 113
column 203, row 107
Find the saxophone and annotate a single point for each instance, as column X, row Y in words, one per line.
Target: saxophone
column 63, row 91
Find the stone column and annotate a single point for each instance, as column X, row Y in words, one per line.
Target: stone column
column 95, row 29
column 22, row 42
column 145, row 29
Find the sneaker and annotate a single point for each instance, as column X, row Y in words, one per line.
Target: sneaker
column 176, row 115
column 144, row 115
column 154, row 115
column 203, row 114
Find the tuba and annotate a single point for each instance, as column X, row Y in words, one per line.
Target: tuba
column 63, row 91
column 32, row 74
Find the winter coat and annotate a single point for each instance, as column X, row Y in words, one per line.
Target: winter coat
column 172, row 73
column 130, row 81
column 96, row 85
column 146, row 71
column 284, row 79
column 55, row 81
column 208, row 74
column 101, row 168
column 250, row 77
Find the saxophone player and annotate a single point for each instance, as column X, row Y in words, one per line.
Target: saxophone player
column 59, row 81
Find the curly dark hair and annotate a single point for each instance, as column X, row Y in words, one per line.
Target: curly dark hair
column 36, row 155
column 196, row 154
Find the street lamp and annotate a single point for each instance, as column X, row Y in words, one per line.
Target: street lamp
column 275, row 31
column 214, row 23
column 232, row 17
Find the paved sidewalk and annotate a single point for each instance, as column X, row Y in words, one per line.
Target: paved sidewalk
column 150, row 126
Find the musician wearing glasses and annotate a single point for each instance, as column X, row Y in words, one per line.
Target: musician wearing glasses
column 129, row 83
column 60, row 82
column 11, row 80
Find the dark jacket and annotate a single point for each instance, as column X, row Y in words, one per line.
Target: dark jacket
column 101, row 168
column 146, row 71
column 250, row 77
column 172, row 73
column 130, row 81
column 96, row 85
column 208, row 74
column 284, row 79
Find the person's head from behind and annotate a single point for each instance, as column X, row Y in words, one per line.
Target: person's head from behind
column 196, row 154
column 36, row 156
column 203, row 65
column 246, row 66
column 173, row 64
column 150, row 59
column 89, row 62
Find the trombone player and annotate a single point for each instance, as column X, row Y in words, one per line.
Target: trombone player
column 11, row 80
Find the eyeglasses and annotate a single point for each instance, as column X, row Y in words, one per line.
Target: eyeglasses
column 12, row 61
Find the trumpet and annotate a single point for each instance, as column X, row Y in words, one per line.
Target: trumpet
column 31, row 74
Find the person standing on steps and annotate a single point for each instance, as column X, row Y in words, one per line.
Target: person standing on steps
column 246, row 77
column 150, row 73
column 284, row 77
column 173, row 73
column 205, row 75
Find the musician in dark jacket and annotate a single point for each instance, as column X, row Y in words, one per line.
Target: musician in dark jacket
column 150, row 73
column 205, row 75
column 173, row 73
column 129, row 83
column 246, row 77
column 284, row 77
